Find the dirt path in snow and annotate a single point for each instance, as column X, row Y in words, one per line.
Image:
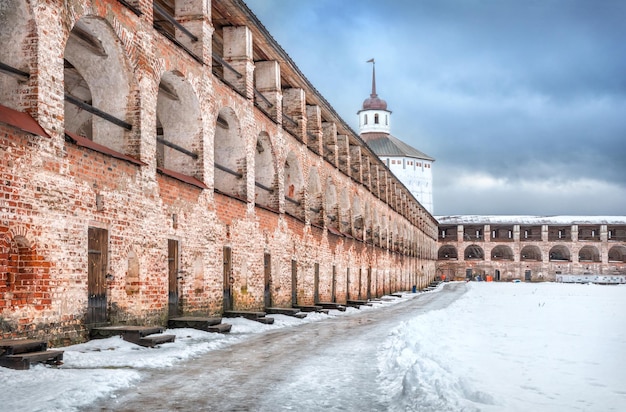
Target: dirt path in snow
column 321, row 366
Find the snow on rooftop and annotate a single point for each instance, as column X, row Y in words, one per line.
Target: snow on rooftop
column 531, row 220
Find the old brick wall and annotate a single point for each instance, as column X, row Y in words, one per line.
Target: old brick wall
column 154, row 177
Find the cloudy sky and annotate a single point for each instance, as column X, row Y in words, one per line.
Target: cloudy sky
column 521, row 103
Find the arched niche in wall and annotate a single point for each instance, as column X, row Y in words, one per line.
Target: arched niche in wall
column 265, row 187
column 179, row 126
column 447, row 252
column 357, row 218
column 375, row 227
column 314, row 191
column 589, row 254
column 502, row 252
column 344, row 211
column 25, row 276
column 474, row 252
column 97, row 76
column 293, row 184
column 559, row 253
column 330, row 205
column 19, row 52
column 531, row 253
column 384, row 231
column 229, row 155
column 367, row 222
column 617, row 254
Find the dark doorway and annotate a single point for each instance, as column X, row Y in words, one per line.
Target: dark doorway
column 172, row 263
column 527, row 275
column 228, row 279
column 98, row 251
column 267, row 265
column 369, row 283
column 347, row 284
column 468, row 274
column 497, row 274
column 360, row 282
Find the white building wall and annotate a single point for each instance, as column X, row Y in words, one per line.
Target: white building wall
column 416, row 175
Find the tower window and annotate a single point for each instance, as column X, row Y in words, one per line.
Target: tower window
column 376, row 118
column 386, row 120
column 365, row 121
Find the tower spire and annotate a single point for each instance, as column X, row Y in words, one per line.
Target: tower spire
column 373, row 77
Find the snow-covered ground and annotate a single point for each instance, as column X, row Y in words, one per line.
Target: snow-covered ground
column 513, row 347
column 500, row 347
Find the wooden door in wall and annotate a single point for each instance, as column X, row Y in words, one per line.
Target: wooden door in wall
column 267, row 266
column 369, row 284
column 294, row 282
column 360, row 282
column 333, row 285
column 347, row 284
column 98, row 250
column 316, row 283
column 527, row 275
column 173, row 292
column 228, row 279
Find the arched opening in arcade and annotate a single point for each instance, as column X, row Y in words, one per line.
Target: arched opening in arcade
column 179, row 127
column 97, row 85
column 559, row 253
column 502, row 252
column 330, row 206
column 617, row 254
column 474, row 252
column 531, row 253
column 447, row 252
column 294, row 187
column 589, row 254
column 16, row 62
column 314, row 191
column 265, row 185
column 229, row 155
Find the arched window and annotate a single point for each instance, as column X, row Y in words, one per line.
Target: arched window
column 376, row 118
column 365, row 119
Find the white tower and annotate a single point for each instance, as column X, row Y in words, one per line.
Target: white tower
column 412, row 167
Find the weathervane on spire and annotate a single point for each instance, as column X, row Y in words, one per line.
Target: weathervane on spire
column 373, row 77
